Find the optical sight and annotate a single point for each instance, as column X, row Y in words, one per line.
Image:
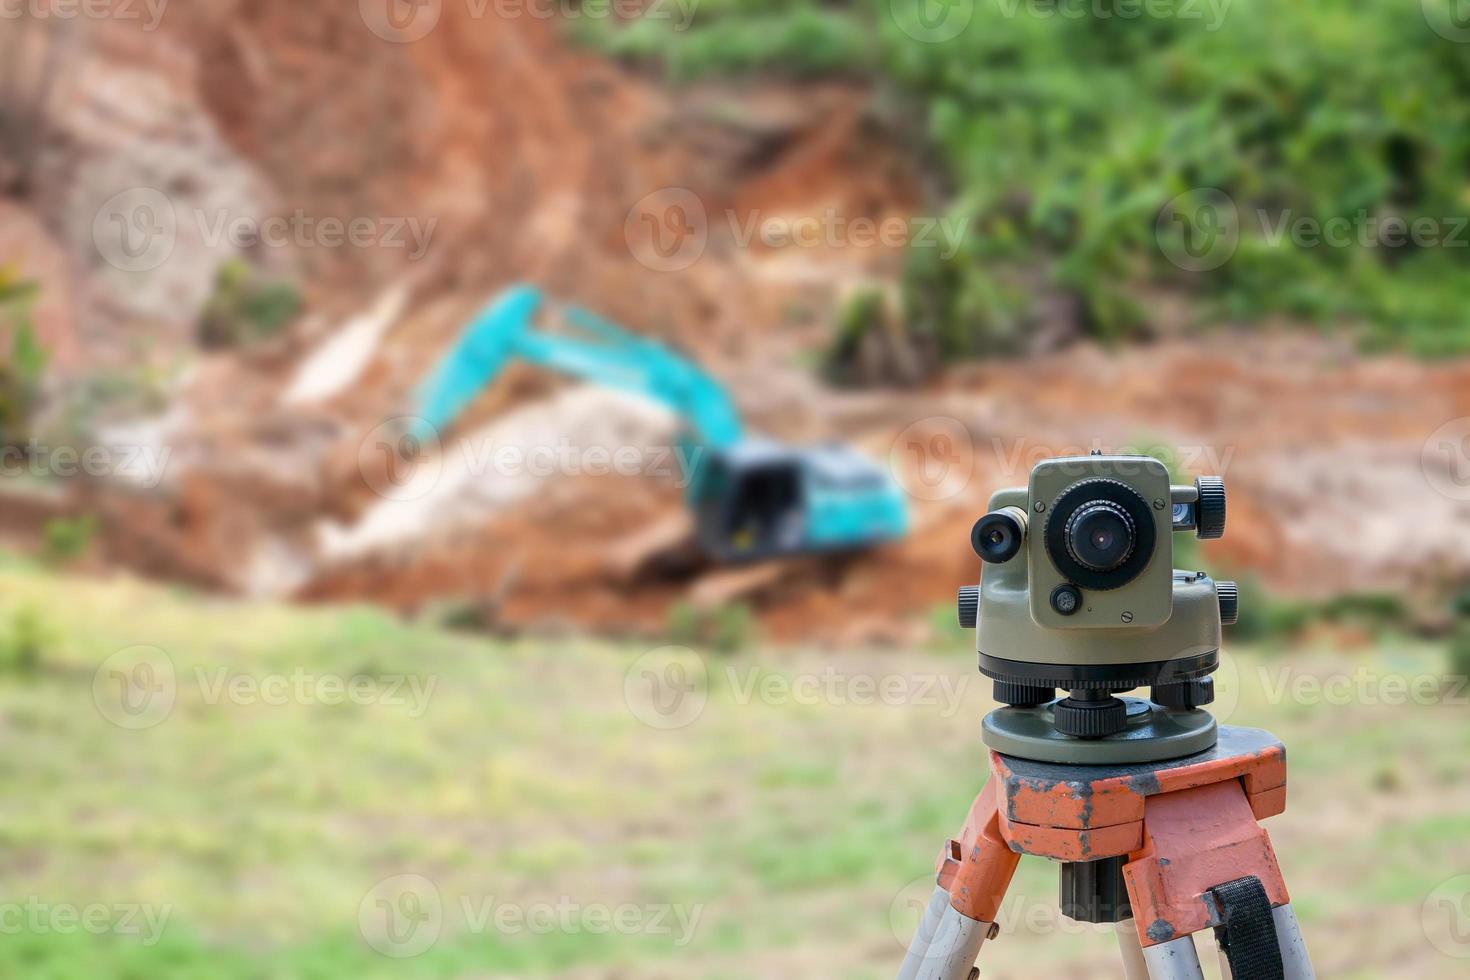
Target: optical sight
column 1079, row 591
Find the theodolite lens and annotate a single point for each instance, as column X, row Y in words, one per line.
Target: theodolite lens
column 997, row 536
column 1100, row 535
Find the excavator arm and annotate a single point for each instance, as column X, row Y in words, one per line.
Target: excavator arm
column 593, row 349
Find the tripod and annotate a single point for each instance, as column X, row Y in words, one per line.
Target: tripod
column 1162, row 849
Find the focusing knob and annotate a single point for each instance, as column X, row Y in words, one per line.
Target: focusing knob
column 1090, row 718
column 1211, row 506
column 969, row 606
column 1229, row 595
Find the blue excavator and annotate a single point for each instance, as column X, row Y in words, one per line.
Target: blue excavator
column 750, row 497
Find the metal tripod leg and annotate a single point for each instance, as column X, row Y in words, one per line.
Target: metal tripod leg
column 1179, row 959
column 974, row 872
column 952, row 952
column 1293, row 947
column 1134, row 966
column 1175, row 960
column 924, row 936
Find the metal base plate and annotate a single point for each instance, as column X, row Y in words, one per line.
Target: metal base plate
column 1154, row 734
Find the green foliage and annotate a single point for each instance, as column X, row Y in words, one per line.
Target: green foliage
column 800, row 39
column 24, row 642
column 24, row 363
column 1459, row 645
column 963, row 307
column 1068, row 129
column 1460, row 604
column 68, row 538
column 1264, row 617
column 859, row 316
column 735, row 628
column 724, row 629
column 1460, row 650
column 245, row 309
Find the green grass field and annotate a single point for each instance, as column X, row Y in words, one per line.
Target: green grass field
column 276, row 772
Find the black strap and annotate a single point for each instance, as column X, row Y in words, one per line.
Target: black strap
column 1247, row 931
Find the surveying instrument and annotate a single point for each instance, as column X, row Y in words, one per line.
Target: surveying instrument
column 1152, row 809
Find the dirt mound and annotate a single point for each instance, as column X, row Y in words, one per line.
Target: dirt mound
column 1323, row 453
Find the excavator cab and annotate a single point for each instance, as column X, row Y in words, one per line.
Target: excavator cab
column 749, row 502
column 760, row 499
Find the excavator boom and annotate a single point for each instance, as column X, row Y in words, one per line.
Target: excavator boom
column 596, row 351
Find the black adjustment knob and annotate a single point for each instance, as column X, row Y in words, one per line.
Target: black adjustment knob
column 1095, row 891
column 1185, row 694
column 1021, row 695
column 969, row 604
column 1211, row 507
column 1229, row 595
column 1090, row 717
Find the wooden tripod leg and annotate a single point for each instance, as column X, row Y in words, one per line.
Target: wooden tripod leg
column 974, row 873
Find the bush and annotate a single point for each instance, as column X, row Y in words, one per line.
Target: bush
column 68, row 538
column 244, row 309
column 725, row 629
column 1459, row 651
column 24, row 644
column 24, row 365
column 1067, row 137
column 1264, row 617
column 798, row 39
